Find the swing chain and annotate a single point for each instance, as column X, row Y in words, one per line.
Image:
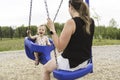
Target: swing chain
column 53, row 21
column 55, row 54
column 46, row 8
column 48, row 11
column 58, row 10
column 30, row 14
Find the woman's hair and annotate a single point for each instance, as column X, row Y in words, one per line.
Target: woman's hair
column 83, row 10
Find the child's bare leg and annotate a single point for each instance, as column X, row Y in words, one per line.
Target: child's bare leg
column 36, row 58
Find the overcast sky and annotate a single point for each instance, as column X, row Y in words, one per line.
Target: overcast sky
column 16, row 12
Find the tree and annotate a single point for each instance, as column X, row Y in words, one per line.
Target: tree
column 11, row 32
column 59, row 27
column 97, row 18
column 5, row 32
column 113, row 23
column 0, row 33
column 21, row 31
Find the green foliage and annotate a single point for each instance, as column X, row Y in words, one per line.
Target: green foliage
column 11, row 32
column 102, row 36
column 20, row 32
column 101, row 32
column 107, row 33
column 96, row 42
column 0, row 33
column 33, row 30
column 113, row 23
column 6, row 32
column 58, row 28
column 18, row 43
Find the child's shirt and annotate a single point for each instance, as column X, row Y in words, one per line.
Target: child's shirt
column 43, row 41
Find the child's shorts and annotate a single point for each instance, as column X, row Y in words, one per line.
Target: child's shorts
column 63, row 64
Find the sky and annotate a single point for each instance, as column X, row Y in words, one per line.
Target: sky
column 16, row 12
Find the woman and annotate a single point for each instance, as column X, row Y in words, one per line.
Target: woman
column 75, row 40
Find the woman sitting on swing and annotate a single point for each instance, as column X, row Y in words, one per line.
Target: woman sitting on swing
column 75, row 40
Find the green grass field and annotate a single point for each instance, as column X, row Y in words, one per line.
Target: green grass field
column 97, row 42
column 18, row 43
column 11, row 44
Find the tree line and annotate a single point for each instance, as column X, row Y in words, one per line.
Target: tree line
column 109, row 32
column 20, row 31
column 101, row 32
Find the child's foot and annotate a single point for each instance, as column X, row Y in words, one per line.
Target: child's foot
column 36, row 62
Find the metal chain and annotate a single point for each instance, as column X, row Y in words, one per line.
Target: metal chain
column 46, row 8
column 53, row 21
column 58, row 10
column 30, row 14
column 48, row 11
column 55, row 54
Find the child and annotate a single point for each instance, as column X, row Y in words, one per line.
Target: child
column 40, row 39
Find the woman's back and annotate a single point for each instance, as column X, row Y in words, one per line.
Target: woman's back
column 79, row 48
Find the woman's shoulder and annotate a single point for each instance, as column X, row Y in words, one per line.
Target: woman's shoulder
column 70, row 26
column 69, row 22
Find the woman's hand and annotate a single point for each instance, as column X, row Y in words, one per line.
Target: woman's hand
column 50, row 25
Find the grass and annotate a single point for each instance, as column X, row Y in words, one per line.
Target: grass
column 7, row 44
column 97, row 42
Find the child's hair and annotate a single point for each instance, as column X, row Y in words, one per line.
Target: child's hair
column 41, row 26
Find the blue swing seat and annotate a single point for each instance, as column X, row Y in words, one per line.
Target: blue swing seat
column 72, row 75
column 31, row 47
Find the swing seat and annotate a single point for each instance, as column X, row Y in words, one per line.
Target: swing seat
column 72, row 75
column 31, row 47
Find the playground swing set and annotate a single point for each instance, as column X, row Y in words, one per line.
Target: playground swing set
column 31, row 47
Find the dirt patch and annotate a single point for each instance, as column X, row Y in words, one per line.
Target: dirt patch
column 14, row 65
